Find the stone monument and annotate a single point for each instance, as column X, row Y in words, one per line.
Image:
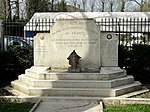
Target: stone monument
column 83, row 35
column 94, row 70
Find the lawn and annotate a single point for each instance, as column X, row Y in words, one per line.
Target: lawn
column 8, row 106
column 128, row 108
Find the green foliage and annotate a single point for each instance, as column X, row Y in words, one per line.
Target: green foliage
column 61, row 6
column 15, row 61
column 143, row 7
column 136, row 61
column 22, row 56
column 33, row 6
column 12, row 106
column 128, row 108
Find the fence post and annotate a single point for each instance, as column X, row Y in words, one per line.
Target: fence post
column 119, row 43
column 1, row 36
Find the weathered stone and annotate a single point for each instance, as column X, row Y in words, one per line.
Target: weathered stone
column 80, row 35
column 99, row 75
column 109, row 49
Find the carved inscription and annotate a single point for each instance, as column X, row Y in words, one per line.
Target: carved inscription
column 110, row 49
column 82, row 35
column 74, row 34
column 41, row 49
column 74, row 42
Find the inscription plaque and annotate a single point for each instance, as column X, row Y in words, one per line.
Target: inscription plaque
column 81, row 35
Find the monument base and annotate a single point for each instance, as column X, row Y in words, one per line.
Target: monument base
column 76, row 70
column 41, row 81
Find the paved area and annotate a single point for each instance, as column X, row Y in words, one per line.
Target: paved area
column 69, row 106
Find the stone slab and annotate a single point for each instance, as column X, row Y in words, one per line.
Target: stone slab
column 76, row 83
column 89, row 92
column 68, row 106
column 106, row 73
column 83, row 36
column 109, row 49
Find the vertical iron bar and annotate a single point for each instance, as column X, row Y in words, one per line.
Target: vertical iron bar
column 119, row 43
column 142, row 28
column 148, row 30
column 42, row 26
column 105, row 24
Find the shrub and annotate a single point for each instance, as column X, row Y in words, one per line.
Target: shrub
column 136, row 61
column 14, row 61
column 22, row 58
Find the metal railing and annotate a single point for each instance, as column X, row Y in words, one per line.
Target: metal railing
column 129, row 30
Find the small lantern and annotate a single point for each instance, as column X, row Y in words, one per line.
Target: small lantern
column 74, row 61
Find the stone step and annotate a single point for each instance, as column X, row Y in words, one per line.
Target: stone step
column 76, row 83
column 89, row 92
column 74, row 76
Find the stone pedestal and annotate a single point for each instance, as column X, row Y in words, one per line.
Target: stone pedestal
column 99, row 75
column 110, row 82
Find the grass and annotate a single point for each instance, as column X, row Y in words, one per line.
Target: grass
column 8, row 106
column 128, row 108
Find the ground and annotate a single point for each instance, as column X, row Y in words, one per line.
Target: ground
column 144, row 95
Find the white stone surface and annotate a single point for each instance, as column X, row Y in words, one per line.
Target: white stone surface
column 109, row 49
column 76, row 83
column 83, row 36
column 95, row 51
column 106, row 73
column 85, row 92
column 69, row 106
column 84, row 15
column 41, row 50
column 99, row 61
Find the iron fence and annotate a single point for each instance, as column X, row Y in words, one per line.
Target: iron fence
column 13, row 33
column 130, row 32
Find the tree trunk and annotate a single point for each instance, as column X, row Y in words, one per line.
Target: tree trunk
column 84, row 4
column 111, row 7
column 103, row 6
column 2, row 9
column 52, row 6
column 122, row 6
column 17, row 9
column 8, row 9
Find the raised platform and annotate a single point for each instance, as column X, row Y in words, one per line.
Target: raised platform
column 109, row 82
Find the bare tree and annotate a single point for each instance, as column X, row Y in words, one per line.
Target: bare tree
column 8, row 9
column 52, row 5
column 22, row 11
column 102, row 4
column 92, row 5
column 140, row 3
column 17, row 9
column 111, row 4
column 73, row 2
column 2, row 9
column 84, row 4
column 122, row 5
column 33, row 6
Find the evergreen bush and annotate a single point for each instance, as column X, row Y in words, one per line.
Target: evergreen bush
column 136, row 61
